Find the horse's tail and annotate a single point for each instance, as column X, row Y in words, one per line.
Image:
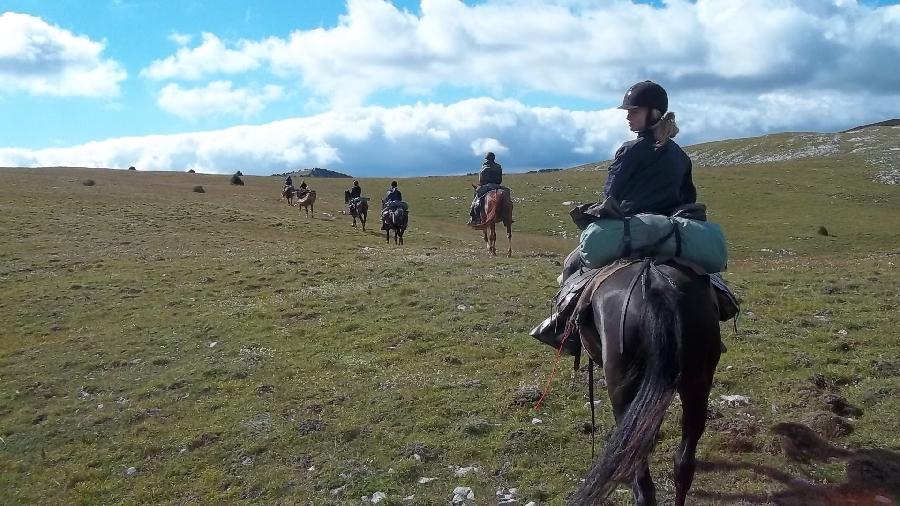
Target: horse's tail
column 507, row 208
column 635, row 434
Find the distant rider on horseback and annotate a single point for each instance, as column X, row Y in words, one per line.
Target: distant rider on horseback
column 303, row 190
column 288, row 185
column 392, row 195
column 489, row 177
column 354, row 192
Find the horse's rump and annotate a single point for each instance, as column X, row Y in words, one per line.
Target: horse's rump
column 396, row 217
column 360, row 207
column 498, row 207
column 307, row 198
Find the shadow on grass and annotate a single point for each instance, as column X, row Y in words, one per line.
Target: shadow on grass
column 872, row 476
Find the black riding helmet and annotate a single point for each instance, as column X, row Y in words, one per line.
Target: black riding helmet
column 393, row 184
column 489, row 156
column 646, row 94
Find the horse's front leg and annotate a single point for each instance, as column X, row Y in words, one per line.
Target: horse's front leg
column 509, row 241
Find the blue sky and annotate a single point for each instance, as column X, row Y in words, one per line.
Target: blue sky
column 410, row 87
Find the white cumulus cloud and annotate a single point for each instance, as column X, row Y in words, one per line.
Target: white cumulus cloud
column 482, row 145
column 440, row 139
column 43, row 59
column 210, row 57
column 218, row 98
column 583, row 49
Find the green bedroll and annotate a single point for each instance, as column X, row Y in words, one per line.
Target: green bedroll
column 702, row 242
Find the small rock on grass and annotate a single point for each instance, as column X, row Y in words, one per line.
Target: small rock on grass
column 462, row 471
column 462, row 495
column 735, row 400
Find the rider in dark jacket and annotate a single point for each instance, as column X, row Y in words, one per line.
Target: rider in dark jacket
column 393, row 195
column 354, row 192
column 650, row 174
column 648, row 178
column 491, row 173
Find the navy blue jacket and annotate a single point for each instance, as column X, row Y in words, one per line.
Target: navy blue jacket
column 355, row 192
column 644, row 179
column 393, row 195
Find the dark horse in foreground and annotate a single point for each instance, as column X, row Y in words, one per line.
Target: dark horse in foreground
column 395, row 219
column 667, row 340
column 498, row 207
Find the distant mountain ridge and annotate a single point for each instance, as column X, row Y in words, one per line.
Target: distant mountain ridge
column 876, row 145
column 887, row 122
column 315, row 172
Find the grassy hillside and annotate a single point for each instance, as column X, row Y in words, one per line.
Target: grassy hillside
column 229, row 351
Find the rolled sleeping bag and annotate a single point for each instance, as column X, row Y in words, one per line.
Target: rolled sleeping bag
column 702, row 242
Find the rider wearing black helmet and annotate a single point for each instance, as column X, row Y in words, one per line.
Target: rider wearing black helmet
column 650, row 174
column 393, row 195
column 354, row 192
column 491, row 173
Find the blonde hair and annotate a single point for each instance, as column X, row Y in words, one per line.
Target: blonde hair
column 664, row 129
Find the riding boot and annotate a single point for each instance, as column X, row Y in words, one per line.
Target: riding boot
column 474, row 214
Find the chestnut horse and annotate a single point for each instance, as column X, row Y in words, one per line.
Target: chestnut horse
column 653, row 340
column 498, row 207
column 307, row 202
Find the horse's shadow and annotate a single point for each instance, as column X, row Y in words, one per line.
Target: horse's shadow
column 872, row 476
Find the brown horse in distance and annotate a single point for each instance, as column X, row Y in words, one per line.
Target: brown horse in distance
column 498, row 207
column 307, row 202
column 288, row 193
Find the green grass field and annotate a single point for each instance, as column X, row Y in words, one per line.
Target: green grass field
column 230, row 351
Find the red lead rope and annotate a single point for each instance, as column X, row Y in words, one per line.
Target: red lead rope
column 570, row 327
